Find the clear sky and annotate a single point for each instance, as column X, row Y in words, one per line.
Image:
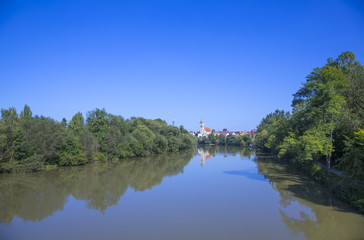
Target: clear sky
column 228, row 63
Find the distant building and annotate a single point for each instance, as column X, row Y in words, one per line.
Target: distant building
column 227, row 133
column 204, row 131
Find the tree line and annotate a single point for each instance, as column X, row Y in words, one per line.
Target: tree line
column 31, row 143
column 231, row 140
column 327, row 120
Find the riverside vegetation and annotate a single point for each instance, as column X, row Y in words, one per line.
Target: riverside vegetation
column 326, row 125
column 231, row 140
column 31, row 143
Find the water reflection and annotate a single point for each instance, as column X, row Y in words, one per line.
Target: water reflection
column 204, row 155
column 307, row 207
column 208, row 151
column 34, row 196
column 269, row 200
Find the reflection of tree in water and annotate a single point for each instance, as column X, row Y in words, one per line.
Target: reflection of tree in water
column 320, row 216
column 227, row 150
column 30, row 196
column 34, row 196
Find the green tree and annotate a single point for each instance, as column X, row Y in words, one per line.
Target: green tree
column 160, row 144
column 182, row 129
column 26, row 113
column 245, row 140
column 323, row 101
column 98, row 124
column 212, row 138
column 19, row 145
column 233, row 140
column 64, row 122
column 353, row 160
column 145, row 137
column 10, row 117
column 221, row 139
column 272, row 130
column 76, row 124
column 71, row 153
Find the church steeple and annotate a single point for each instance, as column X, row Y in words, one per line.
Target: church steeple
column 202, row 127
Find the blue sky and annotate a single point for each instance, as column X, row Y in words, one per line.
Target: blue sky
column 228, row 63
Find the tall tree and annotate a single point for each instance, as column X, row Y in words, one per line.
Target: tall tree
column 323, row 101
column 77, row 123
column 26, row 113
column 98, row 124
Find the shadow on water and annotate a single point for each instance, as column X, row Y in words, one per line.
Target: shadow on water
column 247, row 174
column 34, row 196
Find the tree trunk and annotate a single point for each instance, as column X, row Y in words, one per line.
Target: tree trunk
column 331, row 133
column 327, row 153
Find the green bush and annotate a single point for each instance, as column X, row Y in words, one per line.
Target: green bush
column 99, row 157
column 30, row 164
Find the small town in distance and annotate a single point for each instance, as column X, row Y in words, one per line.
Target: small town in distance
column 206, row 131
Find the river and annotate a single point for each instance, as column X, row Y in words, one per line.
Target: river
column 210, row 193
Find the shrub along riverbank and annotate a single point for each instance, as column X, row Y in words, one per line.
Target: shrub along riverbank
column 326, row 125
column 31, row 143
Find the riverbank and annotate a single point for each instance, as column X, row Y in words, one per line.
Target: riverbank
column 24, row 168
column 32, row 143
column 325, row 125
column 346, row 189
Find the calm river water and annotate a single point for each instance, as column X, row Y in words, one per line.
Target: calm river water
column 214, row 193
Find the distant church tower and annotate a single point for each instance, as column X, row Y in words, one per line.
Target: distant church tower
column 204, row 131
column 202, row 128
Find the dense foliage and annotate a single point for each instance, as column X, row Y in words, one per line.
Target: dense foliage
column 30, row 143
column 327, row 120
